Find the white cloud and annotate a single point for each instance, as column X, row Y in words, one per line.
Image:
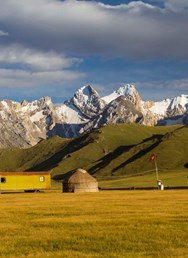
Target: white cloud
column 176, row 5
column 2, row 33
column 135, row 30
column 25, row 79
column 34, row 68
column 35, row 59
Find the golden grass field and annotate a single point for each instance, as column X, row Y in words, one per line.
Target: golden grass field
column 139, row 224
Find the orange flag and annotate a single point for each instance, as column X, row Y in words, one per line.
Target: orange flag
column 153, row 157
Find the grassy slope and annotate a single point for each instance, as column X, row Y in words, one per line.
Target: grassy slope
column 172, row 151
column 15, row 159
column 125, row 149
column 114, row 150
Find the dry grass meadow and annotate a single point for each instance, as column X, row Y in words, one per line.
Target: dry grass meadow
column 139, row 224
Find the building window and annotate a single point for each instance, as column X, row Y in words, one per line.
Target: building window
column 3, row 179
column 42, row 178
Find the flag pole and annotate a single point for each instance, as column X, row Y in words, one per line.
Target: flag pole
column 156, row 170
column 153, row 157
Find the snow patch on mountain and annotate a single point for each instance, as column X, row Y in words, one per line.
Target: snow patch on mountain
column 37, row 116
column 163, row 107
column 5, row 105
column 70, row 114
column 125, row 90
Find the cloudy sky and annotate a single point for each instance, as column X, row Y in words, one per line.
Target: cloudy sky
column 53, row 47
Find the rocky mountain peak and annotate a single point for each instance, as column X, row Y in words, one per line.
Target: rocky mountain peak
column 24, row 103
column 45, row 101
column 126, row 90
column 88, row 101
column 129, row 91
column 119, row 110
column 85, row 94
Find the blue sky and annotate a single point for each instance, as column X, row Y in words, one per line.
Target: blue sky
column 53, row 47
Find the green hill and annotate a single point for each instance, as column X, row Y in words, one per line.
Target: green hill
column 111, row 151
column 15, row 159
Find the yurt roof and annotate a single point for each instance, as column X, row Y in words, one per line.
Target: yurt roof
column 81, row 176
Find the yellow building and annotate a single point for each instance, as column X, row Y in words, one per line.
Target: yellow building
column 24, row 181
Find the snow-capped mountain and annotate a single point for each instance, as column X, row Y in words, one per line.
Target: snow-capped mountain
column 127, row 90
column 79, row 110
column 24, row 124
column 169, row 111
column 88, row 101
column 119, row 110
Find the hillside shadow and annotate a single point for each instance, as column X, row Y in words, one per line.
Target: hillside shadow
column 163, row 122
column 159, row 138
column 138, row 155
column 64, row 130
column 65, row 153
column 105, row 161
column 62, row 177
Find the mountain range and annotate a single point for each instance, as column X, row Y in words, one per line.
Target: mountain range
column 25, row 124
